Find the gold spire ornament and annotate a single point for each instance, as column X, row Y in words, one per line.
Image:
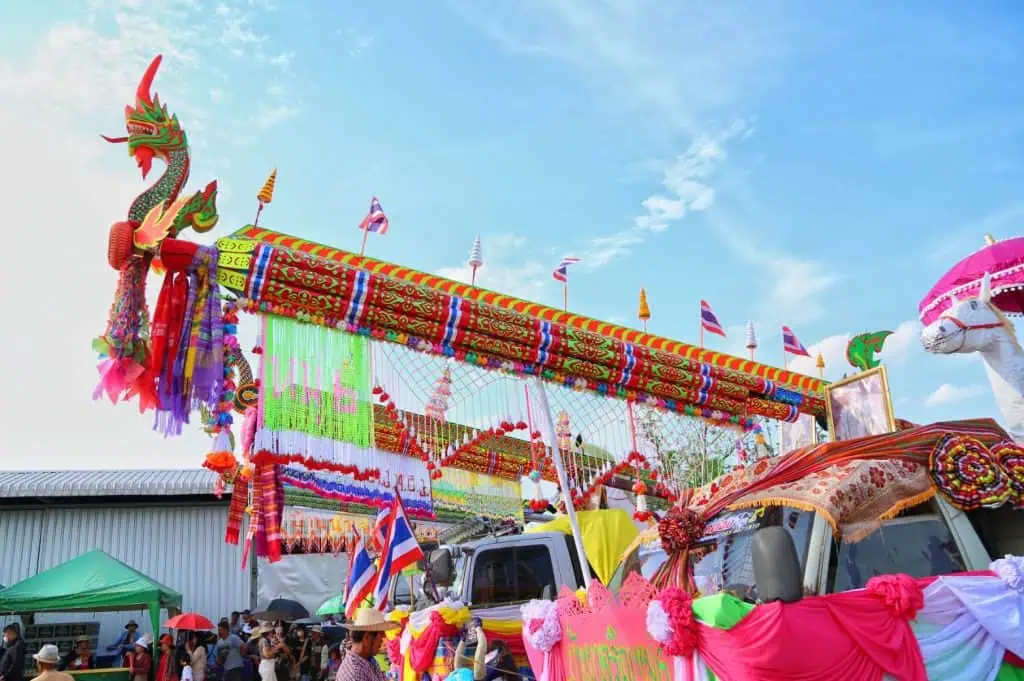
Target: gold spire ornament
column 821, row 365
column 266, row 194
column 645, row 311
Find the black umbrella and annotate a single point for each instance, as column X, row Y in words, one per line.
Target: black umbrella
column 283, row 609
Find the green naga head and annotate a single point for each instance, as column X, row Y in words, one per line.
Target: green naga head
column 152, row 132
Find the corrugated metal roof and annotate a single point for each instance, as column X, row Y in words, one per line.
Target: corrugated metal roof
column 106, row 483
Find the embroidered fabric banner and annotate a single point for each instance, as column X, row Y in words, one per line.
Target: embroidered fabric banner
column 478, row 494
column 856, row 493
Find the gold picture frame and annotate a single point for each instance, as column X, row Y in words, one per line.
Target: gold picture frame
column 785, row 446
column 849, row 395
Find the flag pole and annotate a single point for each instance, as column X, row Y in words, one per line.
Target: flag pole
column 565, row 295
column 548, row 424
column 362, row 249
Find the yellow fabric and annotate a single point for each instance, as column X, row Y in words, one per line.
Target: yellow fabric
column 504, row 627
column 399, row 616
column 606, row 536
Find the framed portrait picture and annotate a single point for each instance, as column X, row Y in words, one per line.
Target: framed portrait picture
column 800, row 433
column 860, row 405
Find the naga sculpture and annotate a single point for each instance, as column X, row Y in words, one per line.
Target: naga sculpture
column 129, row 368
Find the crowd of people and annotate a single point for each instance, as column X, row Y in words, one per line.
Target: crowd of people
column 241, row 649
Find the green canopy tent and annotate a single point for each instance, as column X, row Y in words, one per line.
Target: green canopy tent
column 92, row 582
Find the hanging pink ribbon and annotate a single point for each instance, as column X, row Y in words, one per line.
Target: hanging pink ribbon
column 116, row 377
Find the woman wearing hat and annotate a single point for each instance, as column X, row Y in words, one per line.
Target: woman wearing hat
column 140, row 662
column 80, row 658
column 367, row 635
column 47, row 659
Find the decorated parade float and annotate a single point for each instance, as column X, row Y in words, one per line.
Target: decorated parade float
column 862, row 557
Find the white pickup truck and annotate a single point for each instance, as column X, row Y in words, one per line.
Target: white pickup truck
column 930, row 539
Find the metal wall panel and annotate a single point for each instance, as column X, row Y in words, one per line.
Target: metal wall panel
column 181, row 547
column 20, row 534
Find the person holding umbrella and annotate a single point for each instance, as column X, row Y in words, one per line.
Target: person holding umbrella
column 197, row 655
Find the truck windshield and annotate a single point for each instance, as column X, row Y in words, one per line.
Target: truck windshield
column 918, row 544
column 728, row 564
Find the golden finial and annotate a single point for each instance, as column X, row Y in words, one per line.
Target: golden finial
column 820, row 363
column 645, row 311
column 989, row 239
column 266, row 193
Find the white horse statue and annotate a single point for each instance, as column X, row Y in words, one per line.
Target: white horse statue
column 976, row 325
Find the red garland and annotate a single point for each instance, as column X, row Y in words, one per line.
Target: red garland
column 680, row 530
column 362, row 474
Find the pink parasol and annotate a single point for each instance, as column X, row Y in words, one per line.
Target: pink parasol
column 1002, row 260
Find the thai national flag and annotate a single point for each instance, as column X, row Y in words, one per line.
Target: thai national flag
column 375, row 220
column 361, row 577
column 561, row 273
column 790, row 343
column 381, row 525
column 708, row 320
column 400, row 551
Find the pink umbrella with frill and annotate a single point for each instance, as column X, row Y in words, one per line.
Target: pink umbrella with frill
column 1004, row 263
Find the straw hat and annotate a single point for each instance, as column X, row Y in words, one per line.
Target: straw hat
column 48, row 654
column 83, row 639
column 370, row 619
column 263, row 628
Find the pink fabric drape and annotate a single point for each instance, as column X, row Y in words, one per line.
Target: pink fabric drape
column 855, row 636
column 423, row 649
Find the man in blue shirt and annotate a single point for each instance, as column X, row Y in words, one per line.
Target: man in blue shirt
column 229, row 652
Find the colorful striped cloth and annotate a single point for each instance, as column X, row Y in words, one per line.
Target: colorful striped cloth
column 913, row 445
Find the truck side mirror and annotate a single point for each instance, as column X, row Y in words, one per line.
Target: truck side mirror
column 442, row 571
column 776, row 566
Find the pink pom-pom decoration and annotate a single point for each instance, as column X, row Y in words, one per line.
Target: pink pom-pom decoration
column 670, row 622
column 541, row 625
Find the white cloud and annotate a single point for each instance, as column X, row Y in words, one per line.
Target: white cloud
column 898, row 346
column 687, row 180
column 678, row 64
column 796, row 287
column 832, row 350
column 505, row 269
column 355, row 43
column 948, row 394
column 895, row 352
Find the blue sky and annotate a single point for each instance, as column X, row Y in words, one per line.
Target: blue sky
column 792, row 163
